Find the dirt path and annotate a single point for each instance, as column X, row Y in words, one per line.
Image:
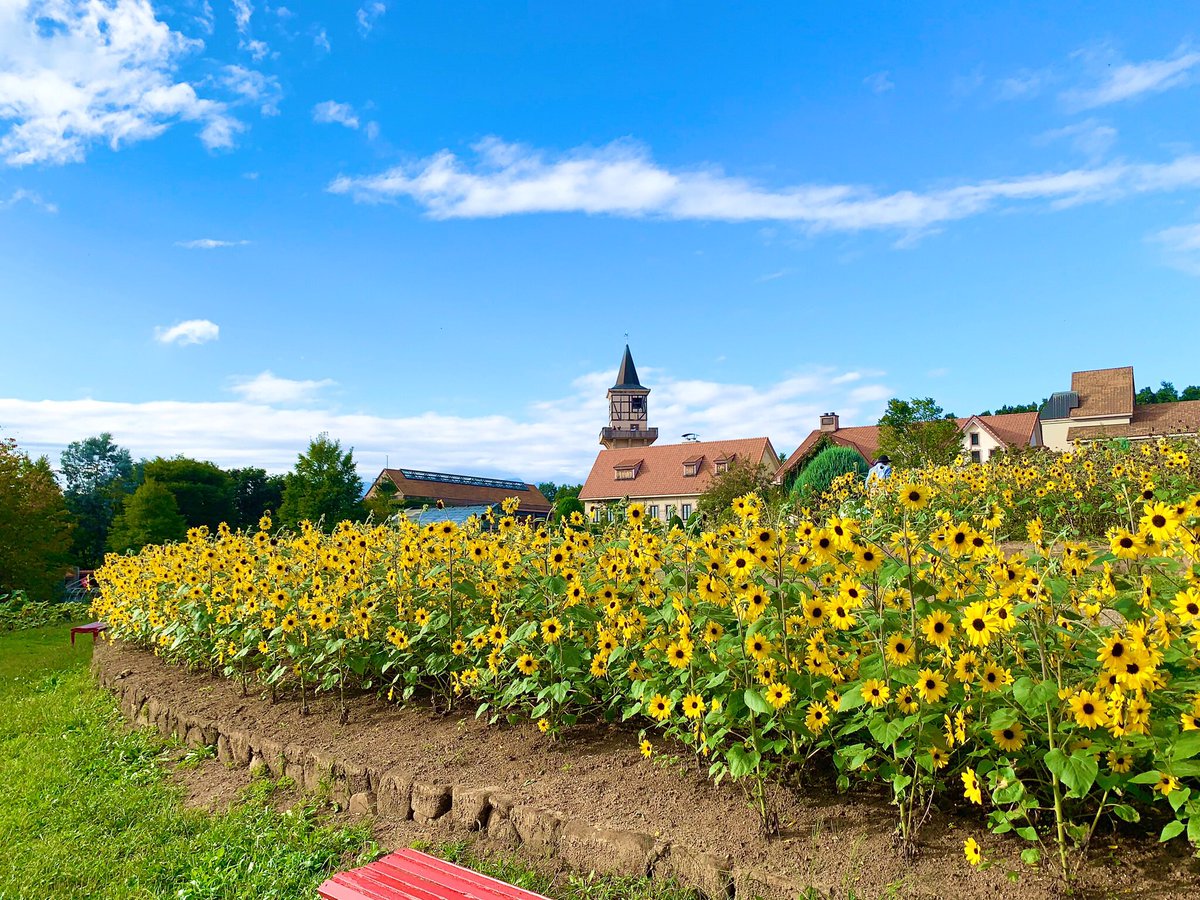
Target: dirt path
column 596, row 775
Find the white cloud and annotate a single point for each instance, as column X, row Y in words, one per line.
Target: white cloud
column 331, row 111
column 368, row 14
column 1181, row 245
column 254, row 87
column 193, row 331
column 242, row 11
column 621, row 179
column 1126, row 81
column 209, row 243
column 879, row 82
column 268, row 388
column 77, row 72
column 372, row 131
column 551, row 439
column 1091, row 138
column 20, row 195
column 321, row 40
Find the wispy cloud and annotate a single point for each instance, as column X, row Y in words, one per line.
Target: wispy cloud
column 242, row 11
column 1126, row 81
column 210, row 243
column 621, row 179
column 772, row 276
column 879, row 82
column 268, row 388
column 1091, row 138
column 76, row 73
column 254, row 87
column 331, row 111
column 20, row 195
column 193, row 331
column 368, row 14
column 1181, row 246
column 321, row 40
column 1023, row 85
column 555, row 438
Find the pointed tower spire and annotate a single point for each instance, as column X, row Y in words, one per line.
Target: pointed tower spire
column 627, row 410
column 627, row 376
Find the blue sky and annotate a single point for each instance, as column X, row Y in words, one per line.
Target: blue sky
column 228, row 226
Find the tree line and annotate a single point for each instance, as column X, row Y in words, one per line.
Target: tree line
column 103, row 501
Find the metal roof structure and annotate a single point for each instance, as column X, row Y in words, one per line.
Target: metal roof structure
column 1059, row 405
column 445, row 478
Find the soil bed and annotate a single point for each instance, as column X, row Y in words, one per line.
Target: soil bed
column 594, row 774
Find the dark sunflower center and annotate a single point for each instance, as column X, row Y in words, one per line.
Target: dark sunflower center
column 1088, row 709
column 1009, row 734
column 979, row 624
column 1159, row 521
column 914, row 496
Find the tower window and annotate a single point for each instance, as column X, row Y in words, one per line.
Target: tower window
column 637, row 403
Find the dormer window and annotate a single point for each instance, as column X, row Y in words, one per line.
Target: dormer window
column 691, row 467
column 627, row 469
column 721, row 463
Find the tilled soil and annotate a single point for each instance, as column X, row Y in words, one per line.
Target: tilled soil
column 832, row 842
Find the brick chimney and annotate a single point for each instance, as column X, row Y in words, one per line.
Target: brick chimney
column 829, row 422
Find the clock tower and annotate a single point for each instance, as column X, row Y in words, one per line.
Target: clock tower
column 627, row 410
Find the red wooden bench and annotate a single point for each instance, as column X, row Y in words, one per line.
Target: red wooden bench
column 413, row 875
column 92, row 628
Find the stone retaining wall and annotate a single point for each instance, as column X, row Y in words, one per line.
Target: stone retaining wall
column 506, row 821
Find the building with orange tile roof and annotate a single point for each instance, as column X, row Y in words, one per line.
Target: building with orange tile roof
column 982, row 437
column 668, row 478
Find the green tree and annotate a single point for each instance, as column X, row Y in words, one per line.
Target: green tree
column 918, row 432
column 564, row 506
column 828, row 465
column 552, row 491
column 324, row 485
column 1166, row 393
column 99, row 476
column 742, row 477
column 254, row 493
column 1017, row 408
column 35, row 524
column 203, row 491
column 150, row 515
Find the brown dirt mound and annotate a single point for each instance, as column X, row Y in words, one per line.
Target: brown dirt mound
column 594, row 774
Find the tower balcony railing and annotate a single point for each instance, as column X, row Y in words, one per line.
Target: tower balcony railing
column 629, row 434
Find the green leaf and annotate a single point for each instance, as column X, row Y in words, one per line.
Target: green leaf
column 1150, row 777
column 559, row 691
column 1193, row 830
column 852, row 697
column 1077, row 771
column 1187, row 746
column 1031, row 856
column 756, row 702
column 1002, row 718
column 1171, row 830
column 742, row 762
column 1126, row 813
column 1031, row 696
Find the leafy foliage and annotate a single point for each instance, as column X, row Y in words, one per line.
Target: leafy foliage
column 1166, row 393
column 98, row 475
column 203, row 491
column 829, row 464
column 150, row 516
column 254, row 493
column 742, row 477
column 18, row 612
column 324, row 486
column 918, row 432
column 35, row 524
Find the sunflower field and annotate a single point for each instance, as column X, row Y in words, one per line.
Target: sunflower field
column 961, row 635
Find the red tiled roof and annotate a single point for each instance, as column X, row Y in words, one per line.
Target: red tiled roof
column 532, row 500
column 662, row 472
column 1103, row 392
column 1149, row 420
column 1013, row 429
column 863, row 438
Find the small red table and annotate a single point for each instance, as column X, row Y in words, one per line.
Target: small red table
column 92, row 628
column 413, row 875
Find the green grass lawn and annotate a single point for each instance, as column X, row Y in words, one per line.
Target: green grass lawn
column 87, row 808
